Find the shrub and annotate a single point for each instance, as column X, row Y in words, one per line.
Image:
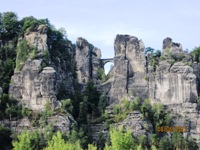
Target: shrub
column 58, row 143
column 101, row 74
column 67, row 105
column 195, row 54
column 23, row 52
column 120, row 140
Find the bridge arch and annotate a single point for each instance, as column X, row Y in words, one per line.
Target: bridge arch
column 106, row 64
column 104, row 61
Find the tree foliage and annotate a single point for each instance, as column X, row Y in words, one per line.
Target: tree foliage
column 27, row 141
column 120, row 140
column 195, row 54
column 58, row 143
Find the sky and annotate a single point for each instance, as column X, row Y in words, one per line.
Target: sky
column 99, row 21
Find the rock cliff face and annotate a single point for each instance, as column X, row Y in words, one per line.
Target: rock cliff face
column 87, row 60
column 128, row 73
column 36, row 84
column 176, row 85
column 61, row 123
column 172, row 83
column 186, row 114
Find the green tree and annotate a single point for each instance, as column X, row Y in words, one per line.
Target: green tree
column 192, row 144
column 158, row 115
column 67, row 105
column 7, row 65
column 74, row 134
column 146, row 107
column 83, row 110
column 178, row 141
column 10, row 110
column 24, row 142
column 165, row 143
column 91, row 147
column 9, row 26
column 143, row 141
column 120, row 140
column 195, row 54
column 102, row 103
column 58, row 143
column 101, row 74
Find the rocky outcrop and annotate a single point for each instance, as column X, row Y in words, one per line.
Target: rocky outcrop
column 87, row 60
column 36, row 83
column 172, row 83
column 128, row 73
column 187, row 115
column 172, row 47
column 32, row 88
column 38, row 39
column 58, row 122
column 137, row 124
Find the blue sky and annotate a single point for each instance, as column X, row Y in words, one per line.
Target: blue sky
column 100, row 20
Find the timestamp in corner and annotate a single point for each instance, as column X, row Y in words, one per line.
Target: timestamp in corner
column 172, row 129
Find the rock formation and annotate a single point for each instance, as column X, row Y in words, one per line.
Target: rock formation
column 172, row 83
column 61, row 123
column 34, row 84
column 128, row 72
column 87, row 60
column 176, row 85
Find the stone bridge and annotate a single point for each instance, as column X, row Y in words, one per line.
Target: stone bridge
column 106, row 60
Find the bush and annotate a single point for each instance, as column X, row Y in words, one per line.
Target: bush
column 120, row 111
column 23, row 52
column 195, row 54
column 101, row 74
column 102, row 103
column 58, row 143
column 27, row 141
column 67, row 105
column 120, row 140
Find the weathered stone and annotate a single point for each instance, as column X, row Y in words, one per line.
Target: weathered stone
column 60, row 123
column 87, row 60
column 136, row 124
column 169, row 46
column 34, row 86
column 174, row 85
column 128, row 72
column 38, row 39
